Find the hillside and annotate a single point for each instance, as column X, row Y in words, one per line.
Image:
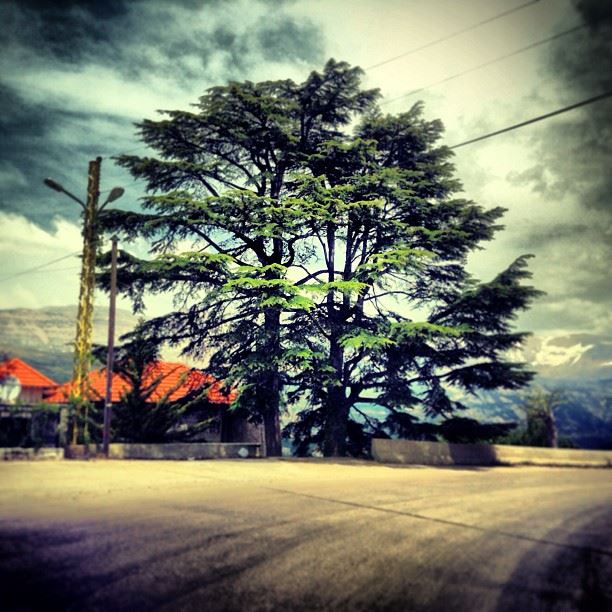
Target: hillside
column 584, row 413
column 44, row 336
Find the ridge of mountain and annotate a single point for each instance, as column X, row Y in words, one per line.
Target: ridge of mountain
column 583, row 412
column 44, row 337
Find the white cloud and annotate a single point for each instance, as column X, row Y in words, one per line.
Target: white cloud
column 23, row 239
column 28, row 278
column 32, row 278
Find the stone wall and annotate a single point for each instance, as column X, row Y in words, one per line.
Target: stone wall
column 30, row 454
column 209, row 450
column 176, row 450
column 444, row 453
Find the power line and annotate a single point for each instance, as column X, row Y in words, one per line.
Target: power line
column 565, row 109
column 431, row 44
column 35, row 268
column 487, row 63
column 46, row 271
column 143, row 146
column 454, row 34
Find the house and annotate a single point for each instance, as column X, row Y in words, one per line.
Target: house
column 20, row 383
column 172, row 382
column 22, row 389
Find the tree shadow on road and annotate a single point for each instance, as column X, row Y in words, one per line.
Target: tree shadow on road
column 573, row 575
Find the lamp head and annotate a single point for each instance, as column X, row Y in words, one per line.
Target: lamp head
column 115, row 194
column 49, row 182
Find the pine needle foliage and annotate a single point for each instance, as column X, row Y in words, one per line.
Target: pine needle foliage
column 325, row 258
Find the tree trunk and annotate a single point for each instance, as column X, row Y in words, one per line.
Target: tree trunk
column 271, row 420
column 269, row 388
column 336, row 408
column 336, row 424
column 552, row 436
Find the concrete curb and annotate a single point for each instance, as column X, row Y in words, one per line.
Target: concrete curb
column 444, row 453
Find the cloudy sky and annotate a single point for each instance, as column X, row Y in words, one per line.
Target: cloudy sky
column 76, row 75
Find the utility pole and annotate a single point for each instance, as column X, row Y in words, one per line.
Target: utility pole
column 84, row 326
column 108, row 399
column 82, row 344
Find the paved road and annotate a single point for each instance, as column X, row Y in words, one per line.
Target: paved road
column 302, row 535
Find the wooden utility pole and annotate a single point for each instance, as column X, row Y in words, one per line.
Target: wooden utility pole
column 108, row 399
column 82, row 345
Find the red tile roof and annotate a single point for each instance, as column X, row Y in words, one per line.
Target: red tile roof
column 27, row 375
column 175, row 380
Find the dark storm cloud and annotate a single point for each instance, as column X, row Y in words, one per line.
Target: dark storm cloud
column 26, row 155
column 37, row 143
column 138, row 37
column 184, row 45
column 596, row 13
column 574, row 170
column 556, row 232
column 65, row 30
column 576, row 257
column 575, row 153
column 285, row 38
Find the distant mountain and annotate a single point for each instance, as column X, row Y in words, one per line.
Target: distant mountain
column 44, row 337
column 584, row 413
column 579, row 366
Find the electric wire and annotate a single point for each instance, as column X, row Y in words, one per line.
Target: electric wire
column 52, row 270
column 39, row 267
column 425, row 46
column 516, row 126
column 487, row 63
column 454, row 34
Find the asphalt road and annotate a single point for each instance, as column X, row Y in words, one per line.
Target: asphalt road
column 302, row 535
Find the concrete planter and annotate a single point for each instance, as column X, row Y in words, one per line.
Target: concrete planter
column 177, row 450
column 443, row 453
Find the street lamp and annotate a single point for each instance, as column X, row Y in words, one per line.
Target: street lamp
column 82, row 345
column 115, row 193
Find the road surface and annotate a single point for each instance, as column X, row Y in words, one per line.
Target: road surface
column 302, row 535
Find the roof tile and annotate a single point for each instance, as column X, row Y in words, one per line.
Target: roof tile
column 27, row 375
column 176, row 380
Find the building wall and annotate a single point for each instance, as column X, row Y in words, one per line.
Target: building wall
column 30, row 395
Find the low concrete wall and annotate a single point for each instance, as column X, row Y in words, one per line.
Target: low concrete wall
column 31, row 454
column 443, row 453
column 175, row 450
column 188, row 450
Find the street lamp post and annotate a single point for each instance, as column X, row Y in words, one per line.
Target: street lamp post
column 108, row 395
column 82, row 344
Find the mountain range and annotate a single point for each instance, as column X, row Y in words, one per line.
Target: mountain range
column 44, row 337
column 578, row 366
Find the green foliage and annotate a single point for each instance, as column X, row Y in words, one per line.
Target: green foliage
column 39, row 428
column 327, row 266
column 464, row 430
column 136, row 418
column 540, row 428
